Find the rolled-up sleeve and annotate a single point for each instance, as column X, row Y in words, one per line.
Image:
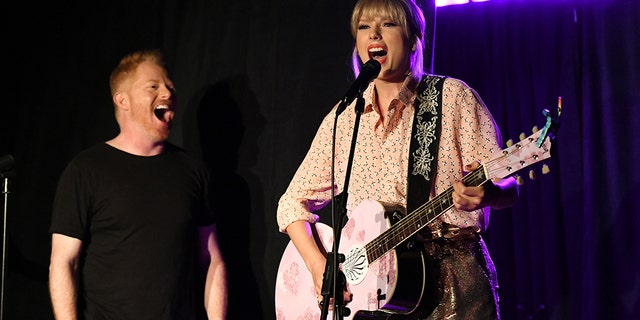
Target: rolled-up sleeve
column 310, row 188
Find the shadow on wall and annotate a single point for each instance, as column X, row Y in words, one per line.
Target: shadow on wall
column 221, row 130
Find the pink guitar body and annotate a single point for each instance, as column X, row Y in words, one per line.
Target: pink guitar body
column 295, row 295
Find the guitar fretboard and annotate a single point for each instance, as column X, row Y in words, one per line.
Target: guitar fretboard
column 419, row 218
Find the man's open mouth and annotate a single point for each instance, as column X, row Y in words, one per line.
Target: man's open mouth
column 160, row 112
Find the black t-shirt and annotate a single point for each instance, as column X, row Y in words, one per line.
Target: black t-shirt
column 137, row 218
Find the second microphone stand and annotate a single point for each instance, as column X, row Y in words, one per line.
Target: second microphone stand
column 334, row 280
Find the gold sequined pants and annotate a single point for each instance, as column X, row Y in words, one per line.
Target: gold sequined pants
column 462, row 279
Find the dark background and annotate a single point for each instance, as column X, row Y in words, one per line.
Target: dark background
column 255, row 79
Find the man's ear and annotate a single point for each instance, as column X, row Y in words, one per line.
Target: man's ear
column 121, row 100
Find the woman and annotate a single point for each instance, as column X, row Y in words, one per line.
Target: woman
column 418, row 136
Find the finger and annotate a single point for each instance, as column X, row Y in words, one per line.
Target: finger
column 458, row 186
column 348, row 296
column 472, row 166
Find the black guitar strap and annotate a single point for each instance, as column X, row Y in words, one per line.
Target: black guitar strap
column 425, row 137
column 423, row 149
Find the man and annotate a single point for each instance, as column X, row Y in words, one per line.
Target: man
column 133, row 236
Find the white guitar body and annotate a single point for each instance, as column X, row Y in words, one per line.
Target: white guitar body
column 295, row 294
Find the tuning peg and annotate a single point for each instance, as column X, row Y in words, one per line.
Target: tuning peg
column 522, row 136
column 532, row 175
column 545, row 169
column 519, row 180
column 535, row 129
column 509, row 143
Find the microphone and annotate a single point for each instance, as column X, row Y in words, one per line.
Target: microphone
column 6, row 163
column 369, row 71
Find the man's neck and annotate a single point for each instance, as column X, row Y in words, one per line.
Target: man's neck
column 139, row 147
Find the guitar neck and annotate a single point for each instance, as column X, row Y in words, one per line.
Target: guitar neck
column 419, row 218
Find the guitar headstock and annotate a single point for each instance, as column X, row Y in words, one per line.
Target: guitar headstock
column 532, row 174
column 529, row 150
column 519, row 156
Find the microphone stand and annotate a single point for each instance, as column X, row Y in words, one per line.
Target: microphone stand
column 5, row 192
column 7, row 170
column 334, row 280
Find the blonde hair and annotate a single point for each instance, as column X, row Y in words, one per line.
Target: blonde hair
column 130, row 63
column 404, row 12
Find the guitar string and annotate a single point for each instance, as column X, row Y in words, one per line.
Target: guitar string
column 415, row 220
